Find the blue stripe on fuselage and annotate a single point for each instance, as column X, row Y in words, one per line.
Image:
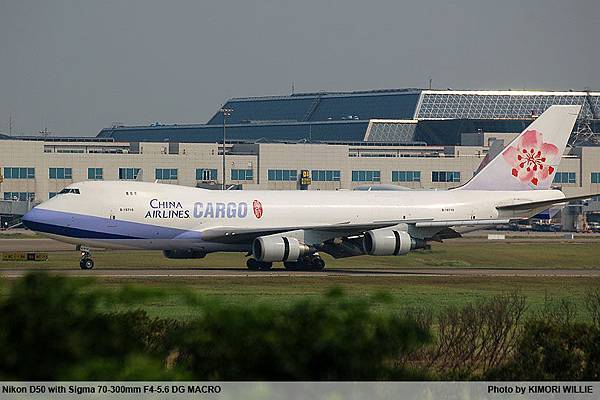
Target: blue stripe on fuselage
column 91, row 227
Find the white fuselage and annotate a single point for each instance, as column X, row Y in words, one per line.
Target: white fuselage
column 126, row 214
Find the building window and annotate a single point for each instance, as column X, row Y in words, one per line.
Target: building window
column 19, row 196
column 60, row 173
column 565, row 177
column 95, row 174
column 129, row 173
column 206, row 174
column 241, row 175
column 320, row 175
column 406, row 176
column 595, row 177
column 19, row 173
column 366, row 176
column 282, row 174
column 166, row 173
column 445, row 176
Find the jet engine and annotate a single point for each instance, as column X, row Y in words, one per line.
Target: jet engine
column 390, row 242
column 181, row 254
column 278, row 248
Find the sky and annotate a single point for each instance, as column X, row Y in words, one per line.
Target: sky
column 74, row 67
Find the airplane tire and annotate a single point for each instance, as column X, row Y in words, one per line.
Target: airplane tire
column 314, row 263
column 265, row 266
column 86, row 263
column 318, row 264
column 292, row 265
column 255, row 265
column 252, row 264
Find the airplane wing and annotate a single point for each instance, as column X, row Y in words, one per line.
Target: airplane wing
column 460, row 222
column 233, row 235
column 428, row 228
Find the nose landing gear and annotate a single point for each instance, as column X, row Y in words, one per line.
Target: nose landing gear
column 86, row 262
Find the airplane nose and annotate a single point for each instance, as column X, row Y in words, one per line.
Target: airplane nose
column 29, row 219
column 37, row 219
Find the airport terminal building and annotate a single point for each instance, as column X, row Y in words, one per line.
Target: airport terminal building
column 408, row 138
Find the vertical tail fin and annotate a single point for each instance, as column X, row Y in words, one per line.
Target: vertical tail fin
column 530, row 161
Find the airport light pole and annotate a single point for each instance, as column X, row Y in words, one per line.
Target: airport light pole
column 226, row 113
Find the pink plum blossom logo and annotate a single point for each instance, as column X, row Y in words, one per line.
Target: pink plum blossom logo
column 258, row 209
column 531, row 157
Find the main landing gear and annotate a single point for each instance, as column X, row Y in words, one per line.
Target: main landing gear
column 312, row 262
column 255, row 265
column 86, row 262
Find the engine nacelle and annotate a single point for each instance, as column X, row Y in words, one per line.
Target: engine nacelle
column 390, row 242
column 181, row 254
column 278, row 248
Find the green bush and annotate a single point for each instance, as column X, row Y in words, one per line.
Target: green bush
column 553, row 351
column 52, row 328
column 332, row 338
column 55, row 328
column 553, row 346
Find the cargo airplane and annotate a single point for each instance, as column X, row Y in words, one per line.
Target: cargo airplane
column 294, row 226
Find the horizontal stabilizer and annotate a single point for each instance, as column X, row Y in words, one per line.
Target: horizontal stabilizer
column 530, row 205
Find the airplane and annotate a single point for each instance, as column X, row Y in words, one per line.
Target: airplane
column 294, row 226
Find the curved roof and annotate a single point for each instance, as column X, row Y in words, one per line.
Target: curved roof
column 324, row 106
column 312, row 131
column 442, row 115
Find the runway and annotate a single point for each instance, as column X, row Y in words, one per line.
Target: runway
column 36, row 243
column 327, row 273
column 112, row 271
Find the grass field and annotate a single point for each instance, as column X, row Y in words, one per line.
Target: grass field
column 19, row 235
column 175, row 297
column 459, row 254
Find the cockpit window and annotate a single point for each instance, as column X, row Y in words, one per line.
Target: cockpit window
column 69, row 190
